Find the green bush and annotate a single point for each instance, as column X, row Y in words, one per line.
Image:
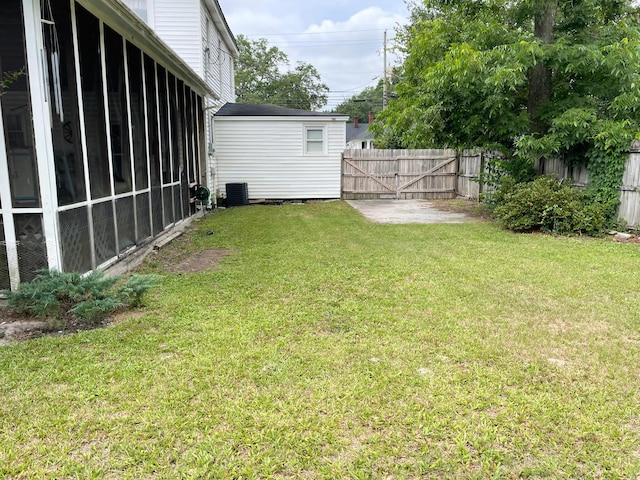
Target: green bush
column 548, row 205
column 57, row 297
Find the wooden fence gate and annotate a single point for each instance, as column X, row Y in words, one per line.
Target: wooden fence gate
column 434, row 174
column 399, row 174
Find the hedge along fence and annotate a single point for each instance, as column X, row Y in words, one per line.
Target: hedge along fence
column 474, row 163
column 380, row 174
column 629, row 209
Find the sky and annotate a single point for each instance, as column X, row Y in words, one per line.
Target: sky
column 343, row 39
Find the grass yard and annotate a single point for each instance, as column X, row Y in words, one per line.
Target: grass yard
column 328, row 347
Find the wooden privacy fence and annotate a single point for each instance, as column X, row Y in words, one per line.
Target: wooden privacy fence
column 442, row 173
column 629, row 210
column 412, row 174
column 399, row 174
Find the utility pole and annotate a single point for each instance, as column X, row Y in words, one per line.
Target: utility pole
column 384, row 72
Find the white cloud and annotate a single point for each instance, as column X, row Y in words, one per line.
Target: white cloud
column 249, row 21
column 342, row 39
column 349, row 53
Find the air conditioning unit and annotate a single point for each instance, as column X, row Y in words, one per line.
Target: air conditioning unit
column 237, row 194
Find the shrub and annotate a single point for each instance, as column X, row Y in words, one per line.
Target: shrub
column 57, row 297
column 548, row 205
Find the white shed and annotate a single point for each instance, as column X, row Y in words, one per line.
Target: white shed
column 281, row 153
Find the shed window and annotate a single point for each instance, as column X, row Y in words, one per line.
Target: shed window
column 314, row 140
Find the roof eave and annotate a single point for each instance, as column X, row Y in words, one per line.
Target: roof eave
column 309, row 118
column 223, row 27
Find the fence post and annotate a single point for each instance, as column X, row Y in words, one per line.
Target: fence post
column 397, row 172
column 481, row 175
column 456, row 186
column 342, row 175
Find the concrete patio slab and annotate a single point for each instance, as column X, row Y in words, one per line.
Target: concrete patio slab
column 405, row 211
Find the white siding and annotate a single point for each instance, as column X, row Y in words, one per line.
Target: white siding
column 211, row 57
column 176, row 23
column 357, row 144
column 217, row 61
column 227, row 90
column 268, row 154
column 208, row 51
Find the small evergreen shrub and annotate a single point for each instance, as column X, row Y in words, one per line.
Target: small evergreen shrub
column 57, row 297
column 548, row 205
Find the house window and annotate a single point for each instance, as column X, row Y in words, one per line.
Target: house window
column 314, row 140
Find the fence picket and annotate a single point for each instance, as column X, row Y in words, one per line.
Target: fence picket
column 433, row 174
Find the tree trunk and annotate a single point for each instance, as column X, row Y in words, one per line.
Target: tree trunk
column 540, row 76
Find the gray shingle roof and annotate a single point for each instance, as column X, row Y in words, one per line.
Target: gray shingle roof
column 255, row 110
column 360, row 133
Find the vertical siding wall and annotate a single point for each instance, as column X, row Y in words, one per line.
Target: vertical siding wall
column 268, row 154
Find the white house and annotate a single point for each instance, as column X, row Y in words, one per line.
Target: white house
column 281, row 153
column 101, row 136
column 358, row 134
column 198, row 32
column 359, row 137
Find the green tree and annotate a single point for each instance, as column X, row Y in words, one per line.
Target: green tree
column 532, row 78
column 359, row 105
column 263, row 76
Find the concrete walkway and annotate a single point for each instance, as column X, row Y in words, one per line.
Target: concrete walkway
column 405, row 211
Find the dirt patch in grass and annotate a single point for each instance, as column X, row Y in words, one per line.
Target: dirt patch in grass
column 195, row 262
column 181, row 255
column 175, row 259
column 16, row 327
column 631, row 239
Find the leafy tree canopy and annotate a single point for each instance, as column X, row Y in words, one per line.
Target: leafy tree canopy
column 263, row 76
column 359, row 105
column 533, row 78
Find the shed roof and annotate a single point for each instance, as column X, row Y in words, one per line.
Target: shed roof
column 257, row 110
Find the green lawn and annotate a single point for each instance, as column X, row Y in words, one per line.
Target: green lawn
column 329, row 347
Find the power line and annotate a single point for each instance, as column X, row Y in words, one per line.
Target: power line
column 362, row 72
column 356, row 88
column 313, row 33
column 325, row 43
